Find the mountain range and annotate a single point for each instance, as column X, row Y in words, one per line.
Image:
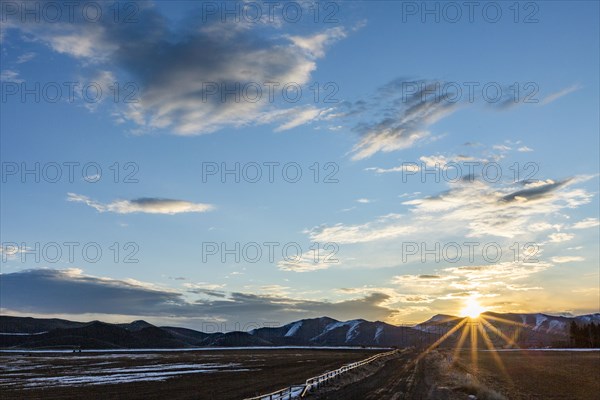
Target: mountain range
column 522, row 330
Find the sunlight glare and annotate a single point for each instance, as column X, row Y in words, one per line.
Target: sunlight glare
column 472, row 309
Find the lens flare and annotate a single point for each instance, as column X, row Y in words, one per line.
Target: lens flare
column 472, row 309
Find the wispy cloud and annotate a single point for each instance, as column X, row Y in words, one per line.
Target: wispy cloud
column 586, row 223
column 560, row 237
column 557, row 95
column 474, row 208
column 148, row 205
column 404, row 122
column 566, row 259
column 9, row 75
column 26, row 57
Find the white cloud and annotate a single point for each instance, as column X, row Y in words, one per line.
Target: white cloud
column 566, row 259
column 560, row 237
column 586, row 223
column 9, row 75
column 406, row 167
column 315, row 45
column 26, row 57
column 524, row 149
column 312, row 260
column 386, row 227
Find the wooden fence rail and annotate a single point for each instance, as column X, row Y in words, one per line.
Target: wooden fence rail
column 299, row 391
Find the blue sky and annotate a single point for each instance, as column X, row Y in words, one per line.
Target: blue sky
column 376, row 137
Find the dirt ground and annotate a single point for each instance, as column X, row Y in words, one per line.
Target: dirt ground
column 522, row 375
column 250, row 372
column 538, row 374
column 439, row 375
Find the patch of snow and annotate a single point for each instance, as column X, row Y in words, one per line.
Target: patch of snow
column 292, row 331
column 21, row 334
column 72, row 380
column 556, row 325
column 352, row 331
column 124, row 352
column 539, row 320
column 378, row 333
column 162, row 367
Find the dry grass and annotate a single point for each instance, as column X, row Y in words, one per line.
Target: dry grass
column 533, row 375
column 269, row 370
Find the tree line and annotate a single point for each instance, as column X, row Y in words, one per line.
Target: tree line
column 585, row 335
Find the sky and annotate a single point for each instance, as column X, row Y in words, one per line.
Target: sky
column 244, row 164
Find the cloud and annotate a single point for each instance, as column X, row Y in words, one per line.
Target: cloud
column 480, row 280
column 404, row 121
column 311, row 260
column 295, row 117
column 524, row 149
column 557, row 95
column 400, row 114
column 394, row 298
column 469, row 280
column 315, row 45
column 148, row 205
column 560, row 237
column 566, row 259
column 422, row 282
column 586, row 223
column 534, row 191
column 386, row 227
column 9, row 75
column 409, row 167
column 70, row 291
column 10, row 251
column 478, row 276
column 26, row 57
column 198, row 79
column 474, row 208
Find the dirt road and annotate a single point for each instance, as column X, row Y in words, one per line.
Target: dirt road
column 395, row 379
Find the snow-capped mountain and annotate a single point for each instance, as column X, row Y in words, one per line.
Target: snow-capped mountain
column 523, row 330
column 327, row 331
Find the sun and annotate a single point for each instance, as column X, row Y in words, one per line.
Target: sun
column 472, row 309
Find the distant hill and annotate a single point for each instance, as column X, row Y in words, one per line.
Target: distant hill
column 34, row 325
column 524, row 330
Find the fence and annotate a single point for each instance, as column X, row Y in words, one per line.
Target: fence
column 298, row 391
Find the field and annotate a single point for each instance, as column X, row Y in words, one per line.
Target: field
column 235, row 374
column 525, row 374
column 231, row 374
column 538, row 374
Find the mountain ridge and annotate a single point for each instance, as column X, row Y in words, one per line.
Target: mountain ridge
column 525, row 329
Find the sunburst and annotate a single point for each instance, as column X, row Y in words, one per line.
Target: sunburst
column 472, row 309
column 475, row 325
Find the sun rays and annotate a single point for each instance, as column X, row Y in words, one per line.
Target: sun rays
column 475, row 325
column 472, row 308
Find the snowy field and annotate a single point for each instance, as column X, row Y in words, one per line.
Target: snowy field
column 210, row 374
column 23, row 372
